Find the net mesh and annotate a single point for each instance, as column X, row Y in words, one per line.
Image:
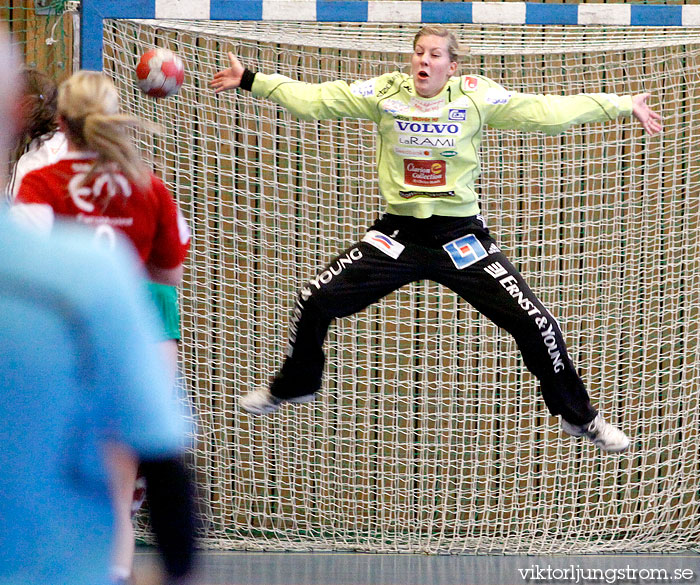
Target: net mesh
column 429, row 434
column 31, row 29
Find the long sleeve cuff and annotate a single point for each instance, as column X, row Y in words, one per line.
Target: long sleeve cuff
column 247, row 80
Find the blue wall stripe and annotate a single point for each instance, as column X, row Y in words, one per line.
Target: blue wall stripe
column 92, row 14
column 341, row 11
column 235, row 9
column 94, row 11
column 646, row 15
column 551, row 13
column 446, row 12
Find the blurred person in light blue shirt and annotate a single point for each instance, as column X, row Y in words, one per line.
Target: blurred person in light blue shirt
column 79, row 373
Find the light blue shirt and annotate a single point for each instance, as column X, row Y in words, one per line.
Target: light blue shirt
column 78, row 366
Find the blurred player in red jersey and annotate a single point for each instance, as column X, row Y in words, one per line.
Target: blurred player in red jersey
column 102, row 183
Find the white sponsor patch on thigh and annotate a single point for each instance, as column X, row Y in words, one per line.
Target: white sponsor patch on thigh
column 384, row 243
column 465, row 251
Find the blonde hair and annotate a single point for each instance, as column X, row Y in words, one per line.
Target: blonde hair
column 440, row 31
column 88, row 103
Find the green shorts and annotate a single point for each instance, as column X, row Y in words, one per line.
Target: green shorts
column 165, row 300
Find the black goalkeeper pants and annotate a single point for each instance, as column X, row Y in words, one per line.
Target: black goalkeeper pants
column 458, row 253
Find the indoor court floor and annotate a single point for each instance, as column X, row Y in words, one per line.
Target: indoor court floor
column 291, row 568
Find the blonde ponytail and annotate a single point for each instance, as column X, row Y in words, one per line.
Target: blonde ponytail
column 89, row 106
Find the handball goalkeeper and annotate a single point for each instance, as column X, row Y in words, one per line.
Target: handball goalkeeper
column 430, row 125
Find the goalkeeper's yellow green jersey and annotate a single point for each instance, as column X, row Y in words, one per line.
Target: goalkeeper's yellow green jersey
column 428, row 148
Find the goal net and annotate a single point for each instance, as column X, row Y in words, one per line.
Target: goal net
column 429, row 435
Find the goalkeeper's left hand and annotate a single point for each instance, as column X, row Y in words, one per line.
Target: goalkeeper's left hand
column 648, row 118
column 228, row 78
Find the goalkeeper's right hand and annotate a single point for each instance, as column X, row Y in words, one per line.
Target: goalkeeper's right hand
column 228, row 78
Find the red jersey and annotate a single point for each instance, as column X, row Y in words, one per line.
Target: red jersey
column 148, row 216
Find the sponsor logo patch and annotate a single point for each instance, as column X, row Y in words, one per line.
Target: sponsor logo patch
column 421, row 105
column 407, row 151
column 496, row 270
column 425, row 173
column 362, row 88
column 465, row 251
column 386, row 88
column 469, row 83
column 448, row 153
column 498, row 97
column 395, row 107
column 384, row 243
column 460, row 115
column 428, row 141
column 444, row 129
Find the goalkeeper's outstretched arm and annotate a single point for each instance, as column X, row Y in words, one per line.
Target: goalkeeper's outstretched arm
column 331, row 100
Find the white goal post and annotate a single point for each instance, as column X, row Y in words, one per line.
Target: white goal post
column 429, row 434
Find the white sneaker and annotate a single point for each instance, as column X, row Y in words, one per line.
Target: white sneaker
column 603, row 435
column 260, row 401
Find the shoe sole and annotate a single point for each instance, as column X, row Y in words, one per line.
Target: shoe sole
column 301, row 399
column 572, row 430
column 575, row 431
column 256, row 410
column 613, row 450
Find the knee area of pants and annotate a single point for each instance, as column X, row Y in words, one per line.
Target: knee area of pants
column 326, row 304
column 523, row 325
column 310, row 297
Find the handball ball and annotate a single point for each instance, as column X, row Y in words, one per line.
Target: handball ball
column 160, row 73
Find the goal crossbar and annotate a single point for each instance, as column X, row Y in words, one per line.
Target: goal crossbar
column 95, row 12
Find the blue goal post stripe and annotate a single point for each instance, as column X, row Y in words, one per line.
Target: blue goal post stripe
column 93, row 12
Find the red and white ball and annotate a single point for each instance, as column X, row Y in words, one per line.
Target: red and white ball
column 160, row 73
